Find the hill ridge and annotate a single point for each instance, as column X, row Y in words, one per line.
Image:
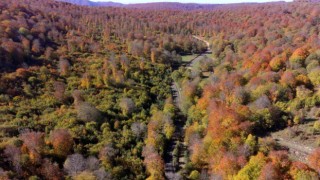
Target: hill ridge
column 151, row 5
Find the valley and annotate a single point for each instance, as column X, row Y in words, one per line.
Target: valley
column 177, row 150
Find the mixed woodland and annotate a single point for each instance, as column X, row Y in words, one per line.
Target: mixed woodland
column 85, row 92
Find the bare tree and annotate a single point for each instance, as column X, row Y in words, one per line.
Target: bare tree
column 262, row 102
column 59, row 88
column 87, row 112
column 127, row 105
column 107, row 153
column 77, row 96
column 74, row 164
column 64, row 66
column 13, row 155
column 101, row 174
column 36, row 46
column 50, row 170
column 138, row 129
column 92, row 163
column 34, row 141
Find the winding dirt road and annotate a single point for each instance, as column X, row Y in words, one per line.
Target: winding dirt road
column 296, row 150
column 175, row 162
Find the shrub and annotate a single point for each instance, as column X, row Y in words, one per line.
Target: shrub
column 314, row 159
column 312, row 65
column 85, row 175
column 316, row 126
column 314, row 76
column 302, row 92
column 301, row 171
column 297, row 119
column 194, row 175
column 318, row 142
column 251, row 143
column 253, row 169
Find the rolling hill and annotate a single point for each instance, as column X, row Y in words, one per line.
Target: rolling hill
column 161, row 5
column 91, row 3
column 148, row 6
column 172, row 6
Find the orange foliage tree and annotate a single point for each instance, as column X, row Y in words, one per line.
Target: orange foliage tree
column 61, row 141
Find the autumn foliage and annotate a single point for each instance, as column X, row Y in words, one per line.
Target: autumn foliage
column 85, row 92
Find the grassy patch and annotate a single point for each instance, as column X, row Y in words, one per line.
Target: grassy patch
column 303, row 134
column 188, row 58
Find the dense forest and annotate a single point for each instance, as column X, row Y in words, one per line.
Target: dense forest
column 86, row 92
column 145, row 6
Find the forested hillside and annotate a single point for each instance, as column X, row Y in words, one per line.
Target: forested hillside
column 79, row 87
column 265, row 77
column 85, row 92
column 92, row 3
column 147, row 6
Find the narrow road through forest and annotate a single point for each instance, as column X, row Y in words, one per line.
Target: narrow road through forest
column 174, row 155
column 296, row 150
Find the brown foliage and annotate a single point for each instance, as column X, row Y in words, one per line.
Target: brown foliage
column 61, row 141
column 13, row 155
column 59, row 92
column 64, row 66
column 154, row 163
column 50, row 171
column 33, row 142
column 269, row 172
column 314, row 160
